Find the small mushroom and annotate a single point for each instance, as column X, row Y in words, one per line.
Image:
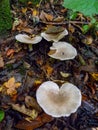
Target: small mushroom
column 54, row 33
column 56, row 101
column 62, row 51
column 27, row 39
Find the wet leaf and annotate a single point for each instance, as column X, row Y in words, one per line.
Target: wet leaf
column 41, row 120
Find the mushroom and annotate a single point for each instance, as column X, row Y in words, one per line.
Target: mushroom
column 27, row 39
column 54, row 33
column 56, row 101
column 62, row 51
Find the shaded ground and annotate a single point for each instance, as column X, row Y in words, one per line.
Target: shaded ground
column 32, row 67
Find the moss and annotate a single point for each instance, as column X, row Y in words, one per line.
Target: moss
column 34, row 2
column 5, row 16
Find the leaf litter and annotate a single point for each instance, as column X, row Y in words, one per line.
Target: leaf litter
column 22, row 70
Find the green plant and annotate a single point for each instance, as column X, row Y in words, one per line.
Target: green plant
column 87, row 7
column 2, row 114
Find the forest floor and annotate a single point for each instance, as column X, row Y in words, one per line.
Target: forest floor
column 23, row 68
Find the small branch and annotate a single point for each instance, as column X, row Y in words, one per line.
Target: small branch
column 64, row 23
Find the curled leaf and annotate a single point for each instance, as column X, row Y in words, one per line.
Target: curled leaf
column 32, row 113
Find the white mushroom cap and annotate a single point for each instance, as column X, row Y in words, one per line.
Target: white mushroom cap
column 63, row 51
column 26, row 39
column 56, row 101
column 54, row 36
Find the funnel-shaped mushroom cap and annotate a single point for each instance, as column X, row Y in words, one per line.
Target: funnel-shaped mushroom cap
column 56, row 101
column 55, row 34
column 26, row 39
column 62, row 51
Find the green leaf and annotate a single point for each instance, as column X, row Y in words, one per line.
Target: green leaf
column 72, row 15
column 85, row 28
column 2, row 114
column 87, row 7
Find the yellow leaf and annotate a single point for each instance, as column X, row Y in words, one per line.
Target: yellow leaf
column 94, row 76
column 35, row 12
column 21, row 108
column 10, row 83
column 24, row 10
column 11, row 86
column 17, row 85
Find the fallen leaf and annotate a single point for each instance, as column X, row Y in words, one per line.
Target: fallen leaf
column 23, row 26
column 1, row 62
column 54, row 29
column 35, row 12
column 58, row 19
column 41, row 120
column 11, row 86
column 10, row 52
column 88, row 40
column 32, row 113
column 94, row 76
column 24, row 10
column 31, row 102
column 65, row 75
column 47, row 69
column 45, row 16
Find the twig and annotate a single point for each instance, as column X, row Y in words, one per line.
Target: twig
column 64, row 23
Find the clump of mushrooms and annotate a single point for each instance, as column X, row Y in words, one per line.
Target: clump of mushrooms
column 27, row 39
column 56, row 101
column 54, row 33
column 62, row 51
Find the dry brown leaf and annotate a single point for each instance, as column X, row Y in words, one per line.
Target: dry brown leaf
column 45, row 16
column 23, row 26
column 59, row 19
column 10, row 52
column 31, row 102
column 54, row 29
column 32, row 113
column 1, row 62
column 41, row 120
column 88, row 40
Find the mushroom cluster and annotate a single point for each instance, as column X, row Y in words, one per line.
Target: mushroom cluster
column 56, row 101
